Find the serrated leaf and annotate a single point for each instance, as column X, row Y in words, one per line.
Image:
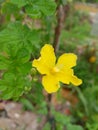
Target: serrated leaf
column 19, row 3
column 47, row 7
column 40, row 7
column 12, row 86
column 16, row 36
column 33, row 12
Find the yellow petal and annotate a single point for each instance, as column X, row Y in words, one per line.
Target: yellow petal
column 67, row 60
column 64, row 75
column 46, row 61
column 75, row 80
column 48, row 55
column 50, row 83
column 40, row 66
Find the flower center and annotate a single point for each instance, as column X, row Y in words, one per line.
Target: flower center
column 54, row 70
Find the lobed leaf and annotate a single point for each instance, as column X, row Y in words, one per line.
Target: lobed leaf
column 19, row 3
column 39, row 7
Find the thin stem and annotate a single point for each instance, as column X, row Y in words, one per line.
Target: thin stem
column 49, row 98
column 62, row 11
column 50, row 117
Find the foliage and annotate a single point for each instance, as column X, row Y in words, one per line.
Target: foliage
column 18, row 43
column 25, row 26
column 63, row 120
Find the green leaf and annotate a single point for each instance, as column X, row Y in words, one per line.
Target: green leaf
column 27, row 104
column 2, row 87
column 19, row 3
column 36, row 7
column 74, row 127
column 25, row 68
column 60, row 118
column 23, row 55
column 9, row 8
column 39, row 7
column 8, row 76
column 4, row 63
column 13, row 85
column 7, row 95
column 17, row 36
column 33, row 12
column 47, row 7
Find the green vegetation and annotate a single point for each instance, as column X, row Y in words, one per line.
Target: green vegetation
column 27, row 25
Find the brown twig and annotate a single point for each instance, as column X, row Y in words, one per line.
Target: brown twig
column 62, row 11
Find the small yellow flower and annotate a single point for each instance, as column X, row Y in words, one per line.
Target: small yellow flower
column 56, row 72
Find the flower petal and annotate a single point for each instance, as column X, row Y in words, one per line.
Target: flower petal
column 68, row 60
column 46, row 61
column 64, row 75
column 40, row 66
column 75, row 80
column 50, row 83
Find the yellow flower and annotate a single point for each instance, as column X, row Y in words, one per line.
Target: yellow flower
column 56, row 72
